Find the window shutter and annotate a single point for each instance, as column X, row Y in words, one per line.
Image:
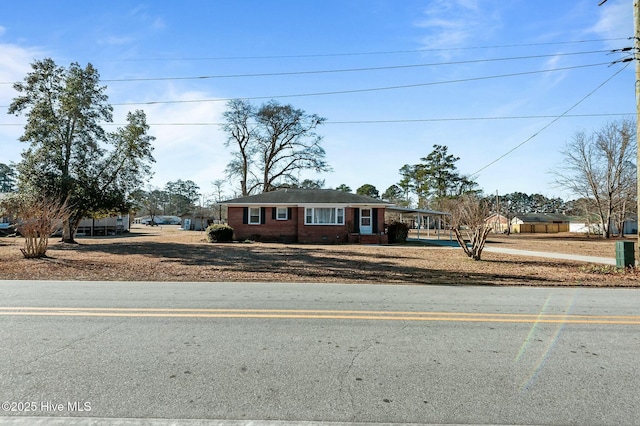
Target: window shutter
column 356, row 220
column 245, row 215
column 273, row 212
column 289, row 213
column 374, row 220
column 263, row 215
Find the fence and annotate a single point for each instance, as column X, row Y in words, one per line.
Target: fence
column 543, row 228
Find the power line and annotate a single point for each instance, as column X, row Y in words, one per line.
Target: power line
column 370, row 53
column 374, row 89
column 351, row 91
column 443, row 119
column 398, row 121
column 344, row 70
column 551, row 122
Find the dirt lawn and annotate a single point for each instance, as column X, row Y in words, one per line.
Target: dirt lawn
column 169, row 254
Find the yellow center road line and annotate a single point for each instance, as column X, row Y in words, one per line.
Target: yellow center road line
column 322, row 314
column 307, row 311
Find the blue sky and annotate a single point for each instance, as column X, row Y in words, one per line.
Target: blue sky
column 454, row 73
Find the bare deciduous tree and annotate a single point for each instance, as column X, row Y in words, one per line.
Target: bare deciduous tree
column 287, row 144
column 37, row 218
column 241, row 132
column 467, row 220
column 218, row 197
column 600, row 167
column 274, row 144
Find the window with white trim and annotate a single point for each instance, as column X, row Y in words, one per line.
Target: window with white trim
column 254, row 216
column 282, row 213
column 324, row 216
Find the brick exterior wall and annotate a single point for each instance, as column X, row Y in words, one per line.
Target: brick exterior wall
column 324, row 233
column 271, row 230
column 294, row 230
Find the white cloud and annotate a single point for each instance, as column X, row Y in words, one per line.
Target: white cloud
column 158, row 24
column 116, row 40
column 551, row 79
column 14, row 65
column 141, row 13
column 615, row 20
column 194, row 152
column 15, row 61
column 454, row 23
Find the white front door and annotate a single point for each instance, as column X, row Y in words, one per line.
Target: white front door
column 366, row 226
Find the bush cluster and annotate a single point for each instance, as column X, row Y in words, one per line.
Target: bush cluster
column 217, row 233
column 398, row 232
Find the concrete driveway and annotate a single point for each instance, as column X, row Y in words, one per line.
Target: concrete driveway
column 529, row 253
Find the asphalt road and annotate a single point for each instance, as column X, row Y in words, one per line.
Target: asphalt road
column 321, row 353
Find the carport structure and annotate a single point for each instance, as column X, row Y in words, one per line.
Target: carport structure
column 420, row 219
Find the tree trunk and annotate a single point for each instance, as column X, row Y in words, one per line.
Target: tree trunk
column 478, row 240
column 461, row 241
column 69, row 227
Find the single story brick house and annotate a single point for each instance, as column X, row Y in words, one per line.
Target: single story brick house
column 498, row 223
column 308, row 216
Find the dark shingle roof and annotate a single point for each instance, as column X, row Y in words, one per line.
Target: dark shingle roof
column 543, row 217
column 306, row 196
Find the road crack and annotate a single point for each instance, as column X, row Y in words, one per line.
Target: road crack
column 74, row 341
column 375, row 340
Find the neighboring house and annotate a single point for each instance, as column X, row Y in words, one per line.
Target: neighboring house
column 592, row 226
column 308, row 216
column 158, row 220
column 112, row 225
column 498, row 223
column 201, row 218
column 630, row 226
column 540, row 223
column 416, row 218
column 196, row 223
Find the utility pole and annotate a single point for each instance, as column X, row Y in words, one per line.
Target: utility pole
column 636, row 57
column 499, row 227
column 636, row 45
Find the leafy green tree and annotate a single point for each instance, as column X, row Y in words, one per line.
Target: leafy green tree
column 518, row 203
column 521, row 203
column 275, row 142
column 182, row 196
column 311, row 184
column 407, row 182
column 436, row 177
column 368, row 190
column 394, row 194
column 7, row 178
column 151, row 203
column 70, row 157
column 342, row 187
column 439, row 172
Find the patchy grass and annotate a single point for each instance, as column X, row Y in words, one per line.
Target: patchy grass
column 168, row 254
column 611, row 270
